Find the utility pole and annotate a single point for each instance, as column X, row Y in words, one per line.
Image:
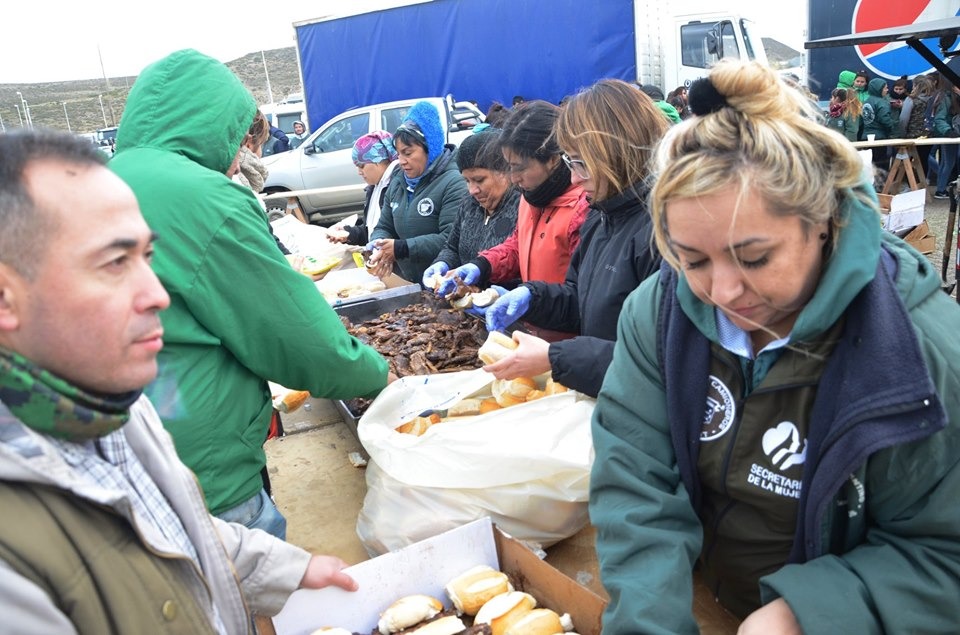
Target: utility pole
column 67, row 117
column 106, row 80
column 269, row 90
column 102, row 111
column 29, row 117
column 26, row 111
column 17, row 106
column 3, row 128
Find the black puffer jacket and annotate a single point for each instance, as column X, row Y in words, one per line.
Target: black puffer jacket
column 614, row 256
column 474, row 231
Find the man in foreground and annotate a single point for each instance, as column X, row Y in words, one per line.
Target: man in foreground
column 104, row 529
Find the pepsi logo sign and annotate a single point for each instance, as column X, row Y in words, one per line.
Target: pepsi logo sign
column 894, row 59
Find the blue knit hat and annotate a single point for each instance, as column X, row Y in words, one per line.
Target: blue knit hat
column 426, row 128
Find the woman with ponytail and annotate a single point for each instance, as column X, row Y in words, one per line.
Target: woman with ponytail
column 781, row 408
column 549, row 215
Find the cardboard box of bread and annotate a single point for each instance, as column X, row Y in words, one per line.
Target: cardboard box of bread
column 473, row 579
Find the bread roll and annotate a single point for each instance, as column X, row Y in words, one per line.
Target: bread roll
column 553, row 388
column 496, row 347
column 535, row 394
column 449, row 625
column 463, row 303
column 408, row 611
column 489, row 405
column 418, row 425
column 485, row 298
column 536, row 622
column 510, row 392
column 474, row 588
column 520, row 387
column 504, row 610
column 290, row 401
column 464, row 408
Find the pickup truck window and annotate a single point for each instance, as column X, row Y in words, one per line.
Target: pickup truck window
column 341, row 134
column 390, row 118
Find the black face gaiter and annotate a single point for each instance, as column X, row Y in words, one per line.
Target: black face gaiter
column 555, row 185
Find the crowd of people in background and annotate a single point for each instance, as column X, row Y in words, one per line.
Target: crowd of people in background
column 865, row 109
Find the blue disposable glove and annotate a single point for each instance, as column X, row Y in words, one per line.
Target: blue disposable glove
column 508, row 309
column 437, row 268
column 371, row 246
column 469, row 273
column 481, row 312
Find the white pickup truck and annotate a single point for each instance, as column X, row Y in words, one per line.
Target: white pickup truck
column 323, row 165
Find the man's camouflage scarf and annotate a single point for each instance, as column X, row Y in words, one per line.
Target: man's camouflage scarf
column 51, row 405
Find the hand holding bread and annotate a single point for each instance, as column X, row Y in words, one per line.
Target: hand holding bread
column 529, row 359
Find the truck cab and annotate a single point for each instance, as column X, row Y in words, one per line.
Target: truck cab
column 692, row 42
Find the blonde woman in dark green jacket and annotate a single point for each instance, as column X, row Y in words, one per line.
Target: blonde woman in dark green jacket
column 239, row 314
column 781, row 410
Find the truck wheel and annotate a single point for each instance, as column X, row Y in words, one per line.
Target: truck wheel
column 276, row 208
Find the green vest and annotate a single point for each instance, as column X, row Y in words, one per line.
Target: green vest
column 751, row 462
column 93, row 565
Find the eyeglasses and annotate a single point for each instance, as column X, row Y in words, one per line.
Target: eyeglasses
column 577, row 166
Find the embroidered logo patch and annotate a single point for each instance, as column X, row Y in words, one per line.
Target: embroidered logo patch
column 425, row 207
column 782, row 444
column 720, row 411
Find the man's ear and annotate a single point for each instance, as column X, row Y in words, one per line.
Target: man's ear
column 11, row 289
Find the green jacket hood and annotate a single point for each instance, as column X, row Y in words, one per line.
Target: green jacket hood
column 846, row 79
column 852, row 265
column 189, row 104
column 875, row 87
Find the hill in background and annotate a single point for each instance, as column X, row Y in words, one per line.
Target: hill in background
column 82, row 98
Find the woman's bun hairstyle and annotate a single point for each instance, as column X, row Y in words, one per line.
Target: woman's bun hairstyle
column 753, row 130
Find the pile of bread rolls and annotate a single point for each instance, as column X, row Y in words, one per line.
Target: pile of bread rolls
column 484, row 602
column 503, row 392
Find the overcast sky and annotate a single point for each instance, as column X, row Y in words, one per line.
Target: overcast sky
column 46, row 41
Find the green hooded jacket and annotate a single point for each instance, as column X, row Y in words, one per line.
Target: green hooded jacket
column 239, row 314
column 890, row 537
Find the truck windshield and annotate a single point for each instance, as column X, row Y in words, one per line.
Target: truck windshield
column 703, row 43
column 752, row 42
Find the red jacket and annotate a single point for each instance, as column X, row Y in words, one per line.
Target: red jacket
column 541, row 246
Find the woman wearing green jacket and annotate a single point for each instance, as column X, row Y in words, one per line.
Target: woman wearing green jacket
column 782, row 406
column 239, row 314
column 422, row 200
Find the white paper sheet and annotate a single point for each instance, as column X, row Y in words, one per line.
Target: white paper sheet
column 423, row 567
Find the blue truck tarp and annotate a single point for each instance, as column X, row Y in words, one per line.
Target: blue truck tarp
column 478, row 50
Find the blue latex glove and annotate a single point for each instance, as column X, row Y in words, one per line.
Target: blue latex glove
column 508, row 309
column 469, row 273
column 481, row 312
column 371, row 246
column 437, row 268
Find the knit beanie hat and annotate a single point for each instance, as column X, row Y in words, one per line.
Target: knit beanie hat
column 846, row 79
column 652, row 92
column 374, row 147
column 481, row 150
column 426, row 128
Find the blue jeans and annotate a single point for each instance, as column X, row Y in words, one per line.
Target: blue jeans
column 258, row 512
column 948, row 158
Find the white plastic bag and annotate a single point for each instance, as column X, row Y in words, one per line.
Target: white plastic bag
column 526, row 466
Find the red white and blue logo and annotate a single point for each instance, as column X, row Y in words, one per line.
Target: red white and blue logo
column 896, row 59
